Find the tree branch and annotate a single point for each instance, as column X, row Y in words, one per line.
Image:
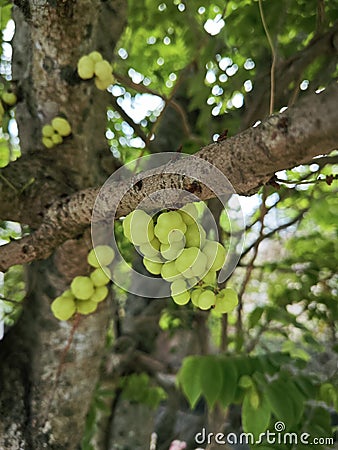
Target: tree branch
column 248, row 160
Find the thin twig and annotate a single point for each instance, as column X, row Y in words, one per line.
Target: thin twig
column 274, row 58
column 250, row 267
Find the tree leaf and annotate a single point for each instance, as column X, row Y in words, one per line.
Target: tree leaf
column 281, row 403
column 189, row 379
column 229, row 383
column 211, row 377
column 254, row 420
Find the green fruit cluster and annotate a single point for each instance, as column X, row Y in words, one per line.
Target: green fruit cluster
column 86, row 292
column 93, row 65
column 53, row 133
column 8, row 100
column 174, row 245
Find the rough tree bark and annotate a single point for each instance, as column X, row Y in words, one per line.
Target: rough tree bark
column 36, row 410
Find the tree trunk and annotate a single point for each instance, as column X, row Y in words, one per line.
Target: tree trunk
column 45, row 389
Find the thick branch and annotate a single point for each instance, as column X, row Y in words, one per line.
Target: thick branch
column 248, row 160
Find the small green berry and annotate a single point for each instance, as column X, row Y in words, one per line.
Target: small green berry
column 62, row 126
column 47, row 142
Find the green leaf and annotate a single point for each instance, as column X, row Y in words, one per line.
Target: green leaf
column 229, row 384
column 211, row 377
column 254, row 420
column 189, row 379
column 281, row 402
column 255, row 316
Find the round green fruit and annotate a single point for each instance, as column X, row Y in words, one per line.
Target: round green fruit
column 103, row 70
column 178, row 286
column 206, row 300
column 100, row 294
column 195, row 235
column 62, row 126
column 152, row 266
column 85, row 67
column 195, row 295
column 210, row 278
column 102, row 85
column 48, row 131
column 82, row 287
column 226, row 301
column 150, row 249
column 57, row 139
column 101, row 255
column 9, row 98
column 63, row 308
column 189, row 213
column 215, row 253
column 191, row 262
column 100, row 276
column 138, row 227
column 95, row 56
column 181, row 299
column 169, row 271
column 86, row 306
column 47, row 142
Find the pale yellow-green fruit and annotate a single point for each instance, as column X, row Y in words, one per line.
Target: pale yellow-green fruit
column 95, row 56
column 47, row 142
column 68, row 294
column 86, row 307
column 192, row 281
column 152, row 267
column 171, row 217
column 191, row 262
column 210, row 278
column 195, row 295
column 82, row 287
column 47, row 130
column 138, row 227
column 9, row 98
column 173, row 250
column 226, row 301
column 170, row 227
column 85, row 67
column 150, row 249
column 57, row 139
column 100, row 255
column 181, row 299
column 189, row 213
column 102, row 85
column 100, row 294
column 178, row 286
column 2, row 111
column 195, row 235
column 103, row 70
column 169, row 271
column 206, row 300
column 63, row 308
column 100, row 276
column 62, row 126
column 215, row 253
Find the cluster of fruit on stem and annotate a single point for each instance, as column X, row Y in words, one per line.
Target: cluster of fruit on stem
column 8, row 100
column 174, row 245
column 86, row 292
column 54, row 132
column 93, row 65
